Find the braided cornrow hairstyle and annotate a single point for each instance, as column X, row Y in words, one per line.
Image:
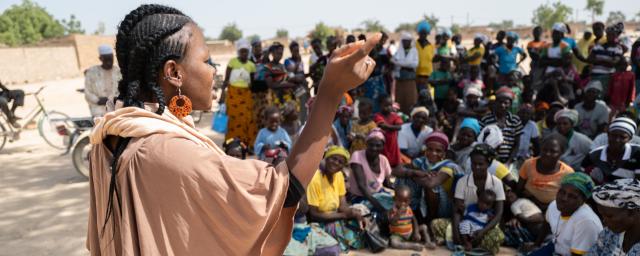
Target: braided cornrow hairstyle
column 147, row 38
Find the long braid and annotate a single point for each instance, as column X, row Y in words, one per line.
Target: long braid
column 145, row 41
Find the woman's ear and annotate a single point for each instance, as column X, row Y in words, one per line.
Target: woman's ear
column 172, row 73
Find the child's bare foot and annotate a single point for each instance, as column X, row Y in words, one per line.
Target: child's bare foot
column 430, row 245
column 417, row 247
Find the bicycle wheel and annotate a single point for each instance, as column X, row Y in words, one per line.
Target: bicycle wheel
column 3, row 136
column 80, row 156
column 53, row 127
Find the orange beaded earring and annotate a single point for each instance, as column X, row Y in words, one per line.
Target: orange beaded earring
column 180, row 105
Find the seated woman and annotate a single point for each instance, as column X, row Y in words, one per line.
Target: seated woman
column 326, row 196
column 370, row 173
column 619, row 205
column 573, row 224
column 489, row 237
column 579, row 144
column 617, row 159
column 431, row 178
column 412, row 134
column 540, row 176
column 465, row 141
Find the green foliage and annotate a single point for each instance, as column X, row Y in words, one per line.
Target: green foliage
column 432, row 19
column 406, row 27
column 282, row 33
column 615, row 17
column 230, row 32
column 27, row 23
column 322, row 31
column 253, row 37
column 373, row 25
column 505, row 24
column 455, row 29
column 595, row 7
column 546, row 15
column 72, row 26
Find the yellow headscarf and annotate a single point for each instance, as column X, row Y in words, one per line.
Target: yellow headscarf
column 336, row 150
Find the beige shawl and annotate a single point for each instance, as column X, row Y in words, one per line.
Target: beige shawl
column 180, row 194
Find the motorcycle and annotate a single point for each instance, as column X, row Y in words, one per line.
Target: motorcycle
column 79, row 144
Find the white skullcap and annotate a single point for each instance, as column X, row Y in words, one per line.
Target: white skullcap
column 243, row 44
column 561, row 27
column 105, row 49
column 473, row 91
column 406, row 36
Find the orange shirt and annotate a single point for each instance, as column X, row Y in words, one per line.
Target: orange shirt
column 543, row 187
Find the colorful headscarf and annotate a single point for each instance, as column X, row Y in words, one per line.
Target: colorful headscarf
column 424, row 25
column 571, row 114
column 622, row 193
column 505, row 91
column 345, row 109
column 513, row 35
column 472, row 91
column 485, row 150
column 542, row 106
column 337, row 150
column 438, row 137
column 472, row 124
column 376, row 133
column 581, row 181
column 624, row 124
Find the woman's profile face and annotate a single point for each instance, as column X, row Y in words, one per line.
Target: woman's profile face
column 197, row 73
column 617, row 220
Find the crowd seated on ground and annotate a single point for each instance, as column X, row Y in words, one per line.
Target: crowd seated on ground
column 448, row 146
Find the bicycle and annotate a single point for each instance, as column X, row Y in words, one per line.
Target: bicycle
column 52, row 125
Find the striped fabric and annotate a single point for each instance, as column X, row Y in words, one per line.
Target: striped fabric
column 512, row 130
column 606, row 52
column 404, row 225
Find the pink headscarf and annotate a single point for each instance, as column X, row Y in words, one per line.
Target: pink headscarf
column 438, row 137
column 376, row 133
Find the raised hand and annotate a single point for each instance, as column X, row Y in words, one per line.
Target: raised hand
column 349, row 66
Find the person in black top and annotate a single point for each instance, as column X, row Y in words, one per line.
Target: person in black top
column 6, row 96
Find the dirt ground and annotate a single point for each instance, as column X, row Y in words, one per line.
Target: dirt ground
column 43, row 200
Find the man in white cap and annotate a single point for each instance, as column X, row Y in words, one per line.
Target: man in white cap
column 594, row 113
column 101, row 82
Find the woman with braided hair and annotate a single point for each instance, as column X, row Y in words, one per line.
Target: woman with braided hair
column 159, row 187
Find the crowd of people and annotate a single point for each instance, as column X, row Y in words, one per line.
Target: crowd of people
column 456, row 146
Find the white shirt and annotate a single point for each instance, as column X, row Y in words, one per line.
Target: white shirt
column 407, row 139
column 529, row 132
column 578, row 149
column 466, row 189
column 99, row 82
column 524, row 207
column 576, row 233
column 404, row 59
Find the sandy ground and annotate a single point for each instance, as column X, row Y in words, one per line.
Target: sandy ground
column 44, row 201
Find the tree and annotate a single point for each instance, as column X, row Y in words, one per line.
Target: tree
column 405, row 27
column 72, row 26
column 595, row 7
column 253, row 38
column 27, row 23
column 230, row 32
column 455, row 29
column 546, row 15
column 100, row 29
column 615, row 17
column 373, row 25
column 322, row 31
column 432, row 19
column 282, row 33
column 505, row 24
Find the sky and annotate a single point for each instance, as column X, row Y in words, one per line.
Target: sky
column 264, row 17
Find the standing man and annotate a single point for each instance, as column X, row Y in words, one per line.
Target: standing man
column 101, row 82
column 6, row 96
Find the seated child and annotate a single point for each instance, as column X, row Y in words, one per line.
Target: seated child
column 272, row 136
column 236, row 148
column 405, row 232
column 476, row 217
